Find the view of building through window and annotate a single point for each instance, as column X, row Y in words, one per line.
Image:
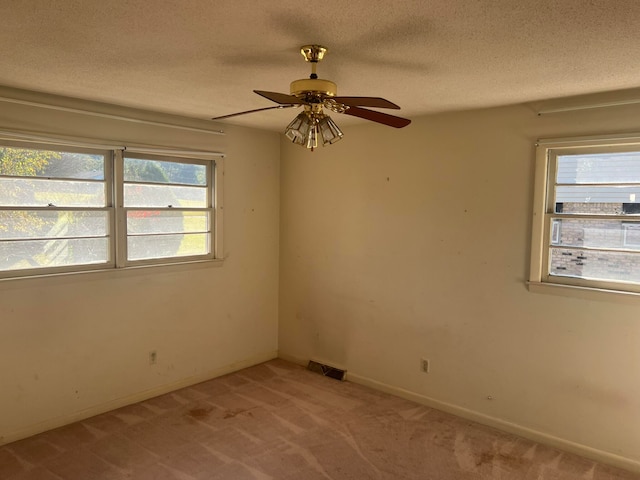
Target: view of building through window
column 596, row 227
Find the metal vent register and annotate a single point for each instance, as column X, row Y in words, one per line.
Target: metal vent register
column 326, row 370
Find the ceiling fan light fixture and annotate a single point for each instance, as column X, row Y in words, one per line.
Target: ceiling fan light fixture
column 298, row 130
column 309, row 128
column 312, row 137
column 329, row 131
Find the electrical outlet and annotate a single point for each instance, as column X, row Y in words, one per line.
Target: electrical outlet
column 153, row 357
column 425, row 365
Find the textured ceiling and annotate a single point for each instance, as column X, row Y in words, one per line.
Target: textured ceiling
column 203, row 58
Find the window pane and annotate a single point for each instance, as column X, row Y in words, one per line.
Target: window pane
column 22, row 254
column 609, row 234
column 595, row 199
column 599, row 168
column 154, row 221
column 165, row 195
column 16, row 224
column 33, row 192
column 156, row 171
column 631, row 235
column 596, row 265
column 26, row 162
column 163, row 246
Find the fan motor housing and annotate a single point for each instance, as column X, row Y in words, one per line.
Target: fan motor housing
column 304, row 86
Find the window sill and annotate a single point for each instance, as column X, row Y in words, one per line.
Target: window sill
column 109, row 273
column 584, row 293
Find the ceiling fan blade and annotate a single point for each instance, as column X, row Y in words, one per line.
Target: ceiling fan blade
column 384, row 118
column 375, row 102
column 222, row 117
column 281, row 98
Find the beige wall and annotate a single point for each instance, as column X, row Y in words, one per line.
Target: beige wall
column 403, row 244
column 394, row 245
column 75, row 345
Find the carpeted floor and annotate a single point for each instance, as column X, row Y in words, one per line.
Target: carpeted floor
column 279, row 421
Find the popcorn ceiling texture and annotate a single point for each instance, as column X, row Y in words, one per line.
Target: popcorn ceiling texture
column 203, row 58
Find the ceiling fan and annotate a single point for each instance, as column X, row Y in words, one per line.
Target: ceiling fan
column 315, row 94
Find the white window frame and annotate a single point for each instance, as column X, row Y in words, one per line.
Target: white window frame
column 122, row 210
column 114, row 205
column 544, row 209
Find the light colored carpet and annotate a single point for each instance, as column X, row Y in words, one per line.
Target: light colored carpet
column 279, row 421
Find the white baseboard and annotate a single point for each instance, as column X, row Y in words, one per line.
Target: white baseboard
column 531, row 434
column 40, row 427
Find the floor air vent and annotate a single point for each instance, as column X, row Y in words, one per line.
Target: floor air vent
column 326, row 370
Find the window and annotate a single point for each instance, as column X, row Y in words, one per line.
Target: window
column 73, row 209
column 587, row 219
column 168, row 208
